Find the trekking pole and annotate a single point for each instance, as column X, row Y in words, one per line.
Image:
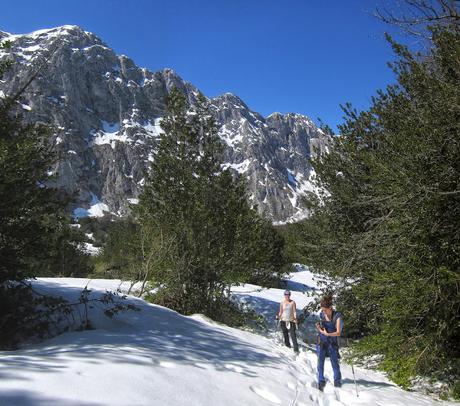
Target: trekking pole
column 277, row 322
column 354, row 379
column 356, row 386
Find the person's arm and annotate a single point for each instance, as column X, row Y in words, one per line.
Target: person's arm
column 318, row 325
column 280, row 312
column 320, row 330
column 336, row 333
column 294, row 311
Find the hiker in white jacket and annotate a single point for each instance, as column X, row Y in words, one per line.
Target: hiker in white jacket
column 288, row 317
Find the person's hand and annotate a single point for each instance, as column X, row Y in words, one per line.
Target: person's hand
column 321, row 330
column 276, row 317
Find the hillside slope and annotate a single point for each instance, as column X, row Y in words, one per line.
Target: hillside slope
column 156, row 356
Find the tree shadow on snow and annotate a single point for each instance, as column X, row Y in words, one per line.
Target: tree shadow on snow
column 296, row 286
column 148, row 337
column 29, row 398
column 368, row 384
column 265, row 307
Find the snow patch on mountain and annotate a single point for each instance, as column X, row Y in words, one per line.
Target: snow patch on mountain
column 241, row 167
column 96, row 209
column 108, row 112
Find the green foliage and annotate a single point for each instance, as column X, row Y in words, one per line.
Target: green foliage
column 119, row 255
column 456, row 390
column 19, row 315
column 238, row 315
column 35, row 238
column 6, row 63
column 35, row 234
column 206, row 236
column 65, row 255
column 129, row 252
column 388, row 229
column 97, row 226
column 26, row 314
column 293, row 248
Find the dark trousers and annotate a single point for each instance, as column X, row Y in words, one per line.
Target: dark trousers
column 290, row 332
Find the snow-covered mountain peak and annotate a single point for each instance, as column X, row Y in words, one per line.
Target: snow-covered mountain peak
column 168, row 72
column 230, row 101
column 66, row 31
column 45, row 42
column 107, row 110
column 275, row 114
column 291, row 117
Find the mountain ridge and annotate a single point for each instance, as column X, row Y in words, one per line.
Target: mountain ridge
column 106, row 111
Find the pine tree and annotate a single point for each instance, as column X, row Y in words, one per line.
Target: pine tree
column 206, row 232
column 388, row 229
column 31, row 214
column 35, row 235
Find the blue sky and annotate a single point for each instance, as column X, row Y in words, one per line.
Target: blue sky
column 301, row 56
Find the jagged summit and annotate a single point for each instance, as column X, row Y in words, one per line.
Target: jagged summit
column 44, row 43
column 68, row 32
column 106, row 112
column 230, row 99
column 64, row 30
column 289, row 116
column 170, row 72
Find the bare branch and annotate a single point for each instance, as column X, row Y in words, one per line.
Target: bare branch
column 415, row 16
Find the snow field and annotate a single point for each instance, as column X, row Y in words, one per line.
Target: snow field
column 156, row 356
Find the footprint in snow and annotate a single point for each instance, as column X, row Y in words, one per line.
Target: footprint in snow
column 310, row 365
column 265, row 394
column 314, row 385
column 333, row 402
column 291, row 385
column 202, row 365
column 235, row 368
column 167, row 364
column 331, row 397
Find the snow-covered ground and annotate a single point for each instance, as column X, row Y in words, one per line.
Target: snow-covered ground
column 158, row 357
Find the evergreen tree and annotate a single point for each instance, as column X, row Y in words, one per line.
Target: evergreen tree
column 34, row 228
column 35, row 235
column 388, row 227
column 206, row 234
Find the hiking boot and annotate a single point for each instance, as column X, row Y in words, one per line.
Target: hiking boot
column 321, row 386
column 338, row 384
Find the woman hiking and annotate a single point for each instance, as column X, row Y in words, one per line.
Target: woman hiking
column 288, row 316
column 329, row 328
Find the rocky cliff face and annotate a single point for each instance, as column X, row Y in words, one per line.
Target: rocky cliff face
column 105, row 109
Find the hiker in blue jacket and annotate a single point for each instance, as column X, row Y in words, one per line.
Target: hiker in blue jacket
column 329, row 328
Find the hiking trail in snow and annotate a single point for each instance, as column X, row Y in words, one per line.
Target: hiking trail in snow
column 157, row 356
